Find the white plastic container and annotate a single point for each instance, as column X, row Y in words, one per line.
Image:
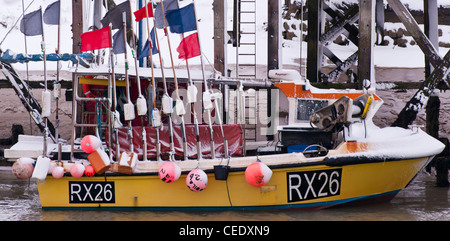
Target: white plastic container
column 192, row 94
column 46, row 103
column 41, row 169
column 141, row 106
column 179, row 107
column 167, row 104
column 207, row 104
column 128, row 110
column 156, row 118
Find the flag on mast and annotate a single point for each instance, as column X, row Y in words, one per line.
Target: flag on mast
column 114, row 16
column 145, row 51
column 51, row 13
column 31, row 24
column 189, row 47
column 181, row 20
column 168, row 5
column 140, row 14
column 119, row 46
column 97, row 39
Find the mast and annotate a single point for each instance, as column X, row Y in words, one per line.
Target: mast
column 179, row 106
column 207, row 91
column 166, row 98
column 57, row 84
column 128, row 107
column 216, row 96
column 156, row 117
column 141, row 104
column 114, row 118
column 26, row 53
column 192, row 98
column 46, row 98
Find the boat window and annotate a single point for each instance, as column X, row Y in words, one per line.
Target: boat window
column 305, row 108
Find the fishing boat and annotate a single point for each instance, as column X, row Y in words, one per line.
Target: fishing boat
column 329, row 153
column 336, row 156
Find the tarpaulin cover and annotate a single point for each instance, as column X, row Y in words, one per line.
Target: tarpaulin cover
column 233, row 134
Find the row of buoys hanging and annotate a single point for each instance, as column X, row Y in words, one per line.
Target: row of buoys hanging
column 25, row 168
column 257, row 174
column 196, row 180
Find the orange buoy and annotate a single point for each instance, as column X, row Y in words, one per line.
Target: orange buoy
column 89, row 171
column 258, row 174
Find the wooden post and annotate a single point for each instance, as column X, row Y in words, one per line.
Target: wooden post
column 274, row 35
column 366, row 32
column 314, row 54
column 77, row 25
column 220, row 42
column 430, row 29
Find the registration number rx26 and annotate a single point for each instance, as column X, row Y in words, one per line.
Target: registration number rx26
column 313, row 184
column 91, row 192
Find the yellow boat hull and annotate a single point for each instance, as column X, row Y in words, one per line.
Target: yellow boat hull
column 309, row 186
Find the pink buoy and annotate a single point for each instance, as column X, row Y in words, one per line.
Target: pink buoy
column 258, row 174
column 89, row 171
column 169, row 172
column 90, row 143
column 23, row 168
column 197, row 180
column 77, row 170
column 58, row 172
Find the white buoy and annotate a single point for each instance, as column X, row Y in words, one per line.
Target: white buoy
column 58, row 172
column 77, row 170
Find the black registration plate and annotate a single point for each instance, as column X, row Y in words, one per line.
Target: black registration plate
column 308, row 185
column 91, row 192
